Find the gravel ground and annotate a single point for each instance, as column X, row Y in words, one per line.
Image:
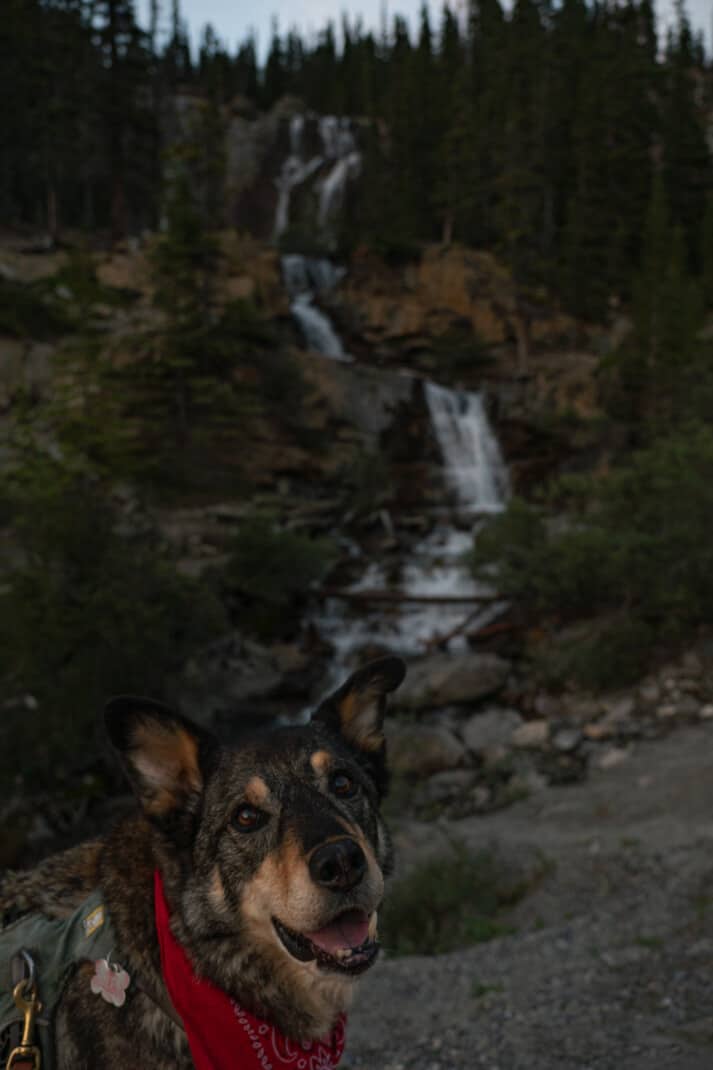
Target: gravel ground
column 611, row 964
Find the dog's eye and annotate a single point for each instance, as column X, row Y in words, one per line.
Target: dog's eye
column 247, row 818
column 343, row 785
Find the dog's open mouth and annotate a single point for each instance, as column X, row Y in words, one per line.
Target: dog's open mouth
column 343, row 945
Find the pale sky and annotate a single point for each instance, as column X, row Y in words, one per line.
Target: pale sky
column 232, row 19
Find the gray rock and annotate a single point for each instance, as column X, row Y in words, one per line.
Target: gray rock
column 421, row 750
column 490, row 730
column 441, row 787
column 650, row 692
column 444, row 680
column 547, row 705
column 612, row 757
column 687, row 706
column 618, row 707
column 566, row 739
column 582, row 709
column 227, row 676
column 531, row 734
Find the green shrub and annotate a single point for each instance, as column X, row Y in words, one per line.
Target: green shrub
column 86, row 613
column 272, row 571
column 447, row 903
column 26, row 311
column 635, row 546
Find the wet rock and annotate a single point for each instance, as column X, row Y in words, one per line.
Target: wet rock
column 491, row 730
column 421, row 750
column 531, row 734
column 706, row 712
column 444, row 680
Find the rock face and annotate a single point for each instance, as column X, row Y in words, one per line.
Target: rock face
column 451, row 680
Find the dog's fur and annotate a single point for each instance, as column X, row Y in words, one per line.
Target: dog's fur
column 224, row 886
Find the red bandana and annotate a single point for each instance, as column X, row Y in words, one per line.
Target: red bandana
column 222, row 1035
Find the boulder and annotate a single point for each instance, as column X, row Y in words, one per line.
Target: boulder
column 230, row 676
column 421, row 750
column 488, row 731
column 531, row 734
column 442, row 787
column 447, row 680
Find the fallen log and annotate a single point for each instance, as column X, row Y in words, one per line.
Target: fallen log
column 400, row 597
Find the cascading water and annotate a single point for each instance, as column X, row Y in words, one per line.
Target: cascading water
column 304, row 278
column 435, row 597
column 294, row 171
column 474, row 466
column 339, row 152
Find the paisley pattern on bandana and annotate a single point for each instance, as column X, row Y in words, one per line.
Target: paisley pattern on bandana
column 273, row 1050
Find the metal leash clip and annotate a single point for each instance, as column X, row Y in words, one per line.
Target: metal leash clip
column 26, row 1056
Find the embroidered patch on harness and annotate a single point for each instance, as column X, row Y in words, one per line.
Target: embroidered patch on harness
column 93, row 921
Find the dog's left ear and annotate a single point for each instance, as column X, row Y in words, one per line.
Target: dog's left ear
column 356, row 711
column 165, row 756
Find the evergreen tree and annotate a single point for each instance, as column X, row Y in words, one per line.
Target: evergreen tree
column 686, row 159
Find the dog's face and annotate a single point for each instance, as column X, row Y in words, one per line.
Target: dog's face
column 274, row 850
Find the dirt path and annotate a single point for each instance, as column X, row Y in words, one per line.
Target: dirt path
column 612, row 962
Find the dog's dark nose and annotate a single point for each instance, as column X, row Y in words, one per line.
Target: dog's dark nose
column 339, row 865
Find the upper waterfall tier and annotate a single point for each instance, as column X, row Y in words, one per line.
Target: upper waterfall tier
column 322, row 150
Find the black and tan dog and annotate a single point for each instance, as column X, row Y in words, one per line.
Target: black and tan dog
column 272, row 855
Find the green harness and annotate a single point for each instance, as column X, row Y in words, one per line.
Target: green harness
column 40, row 954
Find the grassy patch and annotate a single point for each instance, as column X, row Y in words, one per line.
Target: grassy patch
column 478, row 989
column 448, row 903
column 653, row 943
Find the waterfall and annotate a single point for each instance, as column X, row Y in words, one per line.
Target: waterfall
column 331, row 194
column 304, row 278
column 474, row 466
column 338, row 149
column 440, row 599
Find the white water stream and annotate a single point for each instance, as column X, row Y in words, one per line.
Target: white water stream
column 305, row 278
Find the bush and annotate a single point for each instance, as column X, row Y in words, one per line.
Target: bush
column 448, row 903
column 26, row 311
column 636, row 545
column 272, row 571
column 85, row 614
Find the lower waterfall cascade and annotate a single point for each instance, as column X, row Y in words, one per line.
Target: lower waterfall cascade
column 474, row 473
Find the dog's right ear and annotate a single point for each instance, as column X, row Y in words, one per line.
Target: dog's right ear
column 165, row 756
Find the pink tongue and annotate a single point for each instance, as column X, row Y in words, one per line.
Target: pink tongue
column 350, row 929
